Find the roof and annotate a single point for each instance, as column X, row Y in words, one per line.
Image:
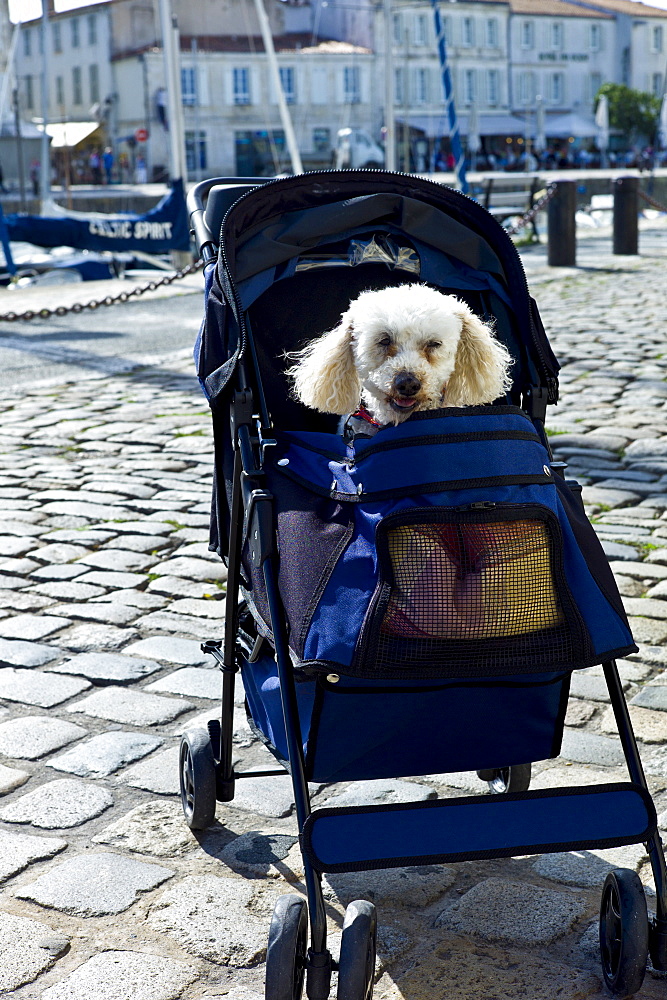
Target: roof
column 556, row 8
column 293, row 42
column 635, row 8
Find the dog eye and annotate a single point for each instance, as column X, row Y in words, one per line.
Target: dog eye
column 432, row 344
column 385, row 342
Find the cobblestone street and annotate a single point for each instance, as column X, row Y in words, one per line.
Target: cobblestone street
column 107, row 589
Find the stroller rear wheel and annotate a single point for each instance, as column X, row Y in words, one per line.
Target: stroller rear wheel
column 507, row 779
column 197, row 779
column 624, row 932
column 287, row 949
column 357, row 952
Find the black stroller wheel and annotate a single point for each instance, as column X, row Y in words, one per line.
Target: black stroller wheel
column 197, row 779
column 357, row 952
column 507, row 779
column 287, row 948
column 624, row 932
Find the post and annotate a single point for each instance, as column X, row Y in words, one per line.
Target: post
column 562, row 240
column 626, row 211
column 45, row 166
column 389, row 113
column 277, row 87
column 19, row 148
column 171, row 48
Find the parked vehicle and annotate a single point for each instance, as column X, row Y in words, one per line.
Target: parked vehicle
column 355, row 149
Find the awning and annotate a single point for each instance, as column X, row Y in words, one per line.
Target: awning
column 68, row 133
column 436, row 126
column 571, row 124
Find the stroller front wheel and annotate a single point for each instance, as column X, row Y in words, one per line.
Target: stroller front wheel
column 287, row 948
column 624, row 933
column 197, row 779
column 357, row 952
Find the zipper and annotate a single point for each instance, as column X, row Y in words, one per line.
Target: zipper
column 514, row 256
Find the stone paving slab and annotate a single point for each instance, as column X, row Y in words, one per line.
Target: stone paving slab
column 18, row 653
column 18, row 850
column 24, row 951
column 119, row 975
column 28, row 627
column 158, row 774
column 40, row 689
column 30, row 737
column 107, row 668
column 58, row 805
column 106, row 753
column 169, row 649
column 95, row 885
column 130, row 707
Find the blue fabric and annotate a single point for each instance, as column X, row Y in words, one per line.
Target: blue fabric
column 325, row 461
column 364, row 730
column 349, row 837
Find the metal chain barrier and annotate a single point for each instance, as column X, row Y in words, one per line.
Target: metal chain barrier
column 652, row 202
column 528, row 216
column 108, row 300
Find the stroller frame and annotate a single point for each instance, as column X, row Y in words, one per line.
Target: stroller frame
column 207, row 772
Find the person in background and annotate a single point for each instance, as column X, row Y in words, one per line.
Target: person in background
column 95, row 164
column 34, row 177
column 107, row 160
column 140, row 171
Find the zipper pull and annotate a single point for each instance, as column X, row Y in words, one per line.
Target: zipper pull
column 478, row 505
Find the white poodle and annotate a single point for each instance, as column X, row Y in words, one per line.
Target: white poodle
column 399, row 350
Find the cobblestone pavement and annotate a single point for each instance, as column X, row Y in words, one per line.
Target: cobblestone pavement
column 107, row 588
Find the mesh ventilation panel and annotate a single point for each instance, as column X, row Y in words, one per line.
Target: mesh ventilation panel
column 474, row 597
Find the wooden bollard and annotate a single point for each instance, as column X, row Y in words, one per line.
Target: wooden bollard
column 626, row 215
column 562, row 237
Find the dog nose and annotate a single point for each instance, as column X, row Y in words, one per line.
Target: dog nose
column 407, row 384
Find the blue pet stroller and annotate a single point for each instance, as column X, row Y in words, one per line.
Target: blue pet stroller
column 407, row 604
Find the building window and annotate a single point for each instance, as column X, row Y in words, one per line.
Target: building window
column 189, row 86
column 656, row 84
column 195, row 151
column 77, row 94
column 92, row 29
column 351, row 89
column 527, row 35
column 74, row 24
column 446, row 23
column 421, row 30
column 397, row 29
column 526, row 88
column 469, row 86
column 57, row 36
column 556, row 88
column 556, row 35
column 656, row 39
column 29, row 93
column 421, row 86
column 27, row 42
column 321, row 139
column 491, row 33
column 595, row 84
column 287, row 78
column 595, row 38
column 399, row 86
column 319, row 86
column 60, row 91
column 241, row 83
column 492, row 88
column 94, row 82
column 467, row 32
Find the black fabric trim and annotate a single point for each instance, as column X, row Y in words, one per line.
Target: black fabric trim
column 407, row 491
column 445, row 685
column 456, row 438
column 559, row 722
column 491, row 800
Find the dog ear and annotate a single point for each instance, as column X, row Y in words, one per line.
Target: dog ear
column 325, row 376
column 481, row 367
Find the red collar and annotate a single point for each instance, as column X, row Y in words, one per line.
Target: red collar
column 363, row 414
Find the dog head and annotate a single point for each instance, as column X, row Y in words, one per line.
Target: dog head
column 403, row 349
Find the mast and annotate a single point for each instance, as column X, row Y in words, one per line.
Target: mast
column 454, row 135
column 277, row 87
column 45, row 164
column 389, row 113
column 171, row 49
